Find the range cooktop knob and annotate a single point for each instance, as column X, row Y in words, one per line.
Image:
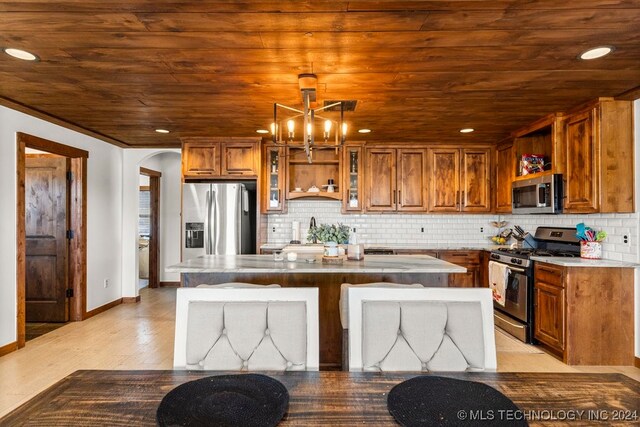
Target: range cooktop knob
column 514, row 260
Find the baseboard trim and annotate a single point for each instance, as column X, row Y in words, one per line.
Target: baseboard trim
column 129, row 300
column 636, row 362
column 102, row 308
column 170, row 284
column 8, row 348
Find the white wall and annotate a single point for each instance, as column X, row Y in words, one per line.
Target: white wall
column 131, row 162
column 104, row 213
column 169, row 164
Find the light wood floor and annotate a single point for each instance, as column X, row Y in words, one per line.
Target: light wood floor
column 140, row 336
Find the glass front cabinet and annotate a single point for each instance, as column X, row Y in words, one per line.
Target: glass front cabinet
column 274, row 178
column 352, row 179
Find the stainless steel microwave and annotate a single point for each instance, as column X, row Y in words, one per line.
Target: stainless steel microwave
column 537, row 195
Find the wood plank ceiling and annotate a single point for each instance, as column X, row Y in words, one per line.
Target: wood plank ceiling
column 420, row 70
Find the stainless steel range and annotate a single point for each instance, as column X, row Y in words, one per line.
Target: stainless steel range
column 517, row 316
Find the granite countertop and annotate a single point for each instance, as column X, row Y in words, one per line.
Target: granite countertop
column 417, row 246
column 266, row 264
column 582, row 262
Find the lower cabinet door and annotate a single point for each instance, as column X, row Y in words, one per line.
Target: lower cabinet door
column 549, row 315
column 468, row 259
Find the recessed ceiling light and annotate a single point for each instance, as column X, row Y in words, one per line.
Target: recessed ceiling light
column 466, row 130
column 596, row 52
column 20, row 54
column 262, row 131
column 364, row 130
column 162, row 131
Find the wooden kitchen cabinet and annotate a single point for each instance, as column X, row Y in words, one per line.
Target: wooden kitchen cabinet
column 584, row 315
column 273, row 179
column 326, row 164
column 240, row 158
column 353, row 170
column 220, row 158
column 505, row 173
column 468, row 259
column 472, row 260
column 599, row 158
column 459, row 179
column 543, row 137
column 475, row 180
column 549, row 305
column 395, row 180
column 200, row 160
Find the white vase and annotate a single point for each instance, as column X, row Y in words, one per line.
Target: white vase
column 330, row 249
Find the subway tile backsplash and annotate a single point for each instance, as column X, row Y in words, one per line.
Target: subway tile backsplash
column 448, row 231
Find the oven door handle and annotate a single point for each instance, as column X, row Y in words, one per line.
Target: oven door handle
column 512, row 324
column 519, row 270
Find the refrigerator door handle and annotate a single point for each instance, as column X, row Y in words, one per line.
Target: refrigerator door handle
column 207, row 225
column 212, row 219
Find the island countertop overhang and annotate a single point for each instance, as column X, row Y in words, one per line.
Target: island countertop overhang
column 409, row 264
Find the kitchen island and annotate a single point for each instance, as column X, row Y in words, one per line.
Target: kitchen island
column 262, row 269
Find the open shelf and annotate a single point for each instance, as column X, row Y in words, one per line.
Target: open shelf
column 336, row 195
column 315, row 162
column 540, row 141
column 325, row 166
column 532, row 175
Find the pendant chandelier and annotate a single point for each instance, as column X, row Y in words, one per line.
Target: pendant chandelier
column 290, row 123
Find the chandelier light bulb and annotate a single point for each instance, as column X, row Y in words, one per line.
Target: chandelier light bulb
column 291, row 126
column 327, row 129
column 273, row 128
column 344, row 128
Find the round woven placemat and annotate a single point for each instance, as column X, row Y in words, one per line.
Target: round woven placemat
column 225, row 400
column 439, row 401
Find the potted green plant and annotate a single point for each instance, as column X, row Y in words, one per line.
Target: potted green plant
column 331, row 235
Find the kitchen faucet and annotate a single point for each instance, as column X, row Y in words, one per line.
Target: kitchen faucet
column 312, row 224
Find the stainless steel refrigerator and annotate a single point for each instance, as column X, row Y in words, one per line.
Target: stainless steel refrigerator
column 218, row 218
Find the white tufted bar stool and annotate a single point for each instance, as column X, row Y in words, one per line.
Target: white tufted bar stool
column 344, row 310
column 429, row 329
column 246, row 329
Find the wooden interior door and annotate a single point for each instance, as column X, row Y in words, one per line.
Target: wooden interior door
column 381, row 179
column 46, row 239
column 412, row 180
column 444, row 179
column 476, row 180
column 581, row 191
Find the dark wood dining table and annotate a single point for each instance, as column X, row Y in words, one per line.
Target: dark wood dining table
column 130, row 398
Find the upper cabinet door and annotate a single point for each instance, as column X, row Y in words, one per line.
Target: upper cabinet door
column 476, row 180
column 412, row 180
column 444, row 183
column 352, row 179
column 273, row 180
column 240, row 158
column 381, row 179
column 505, row 167
column 200, row 159
column 581, row 192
